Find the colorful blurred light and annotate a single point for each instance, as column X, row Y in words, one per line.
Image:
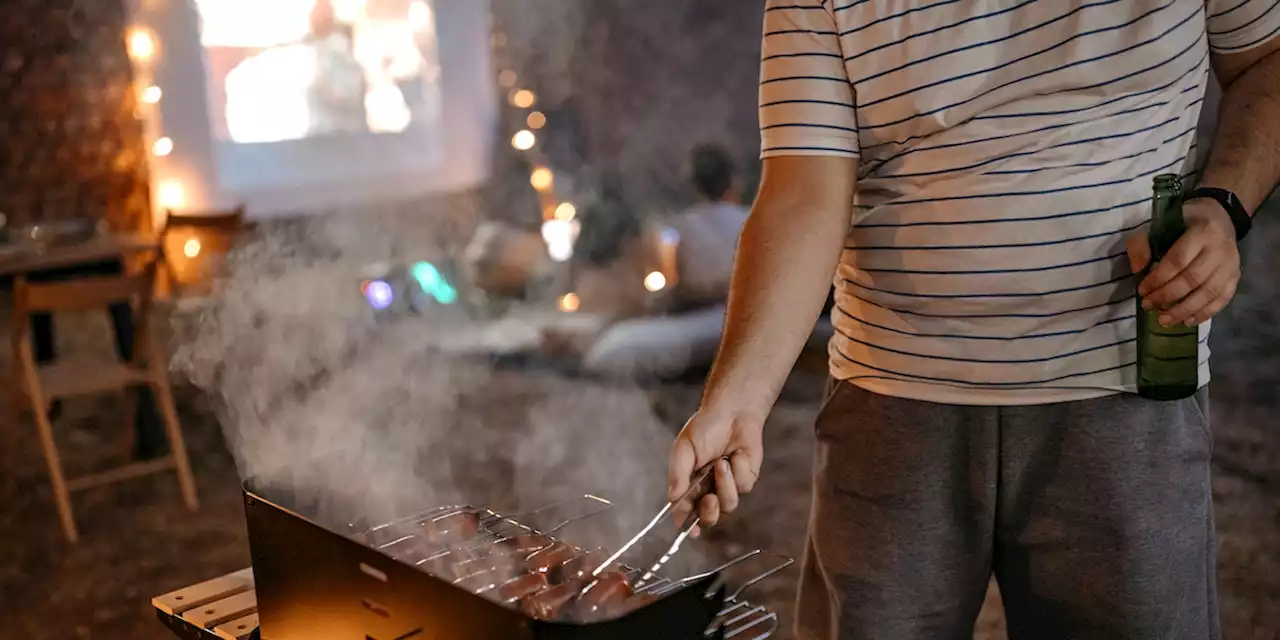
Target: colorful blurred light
column 570, row 302
column 163, row 146
column 542, row 179
column 523, row 98
column 565, row 212
column 655, row 282
column 523, row 140
column 142, row 45
column 378, row 293
column 152, row 94
column 191, row 248
column 507, row 78
column 560, row 236
column 536, row 120
column 433, row 283
column 171, row 195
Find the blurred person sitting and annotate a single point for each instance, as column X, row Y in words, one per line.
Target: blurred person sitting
column 665, row 332
column 708, row 231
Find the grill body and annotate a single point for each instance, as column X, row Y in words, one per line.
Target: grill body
column 313, row 582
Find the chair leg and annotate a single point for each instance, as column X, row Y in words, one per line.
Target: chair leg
column 173, row 429
column 61, row 496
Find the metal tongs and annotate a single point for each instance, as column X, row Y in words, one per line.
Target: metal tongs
column 703, row 484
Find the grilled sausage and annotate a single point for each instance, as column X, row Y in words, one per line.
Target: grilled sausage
column 521, row 587
column 579, row 568
column 604, row 597
column 550, row 557
column 549, row 603
column 452, row 528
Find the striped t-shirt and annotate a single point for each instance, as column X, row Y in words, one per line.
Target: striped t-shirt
column 1007, row 149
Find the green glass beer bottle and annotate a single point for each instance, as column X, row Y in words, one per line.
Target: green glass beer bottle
column 1168, row 357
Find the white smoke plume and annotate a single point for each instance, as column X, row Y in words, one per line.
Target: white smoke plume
column 369, row 419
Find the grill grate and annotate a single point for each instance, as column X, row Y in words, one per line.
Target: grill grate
column 405, row 540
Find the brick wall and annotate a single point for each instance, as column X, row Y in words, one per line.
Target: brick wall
column 71, row 144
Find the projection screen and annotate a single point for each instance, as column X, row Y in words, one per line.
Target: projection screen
column 292, row 106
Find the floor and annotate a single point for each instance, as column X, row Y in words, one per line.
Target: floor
column 508, row 431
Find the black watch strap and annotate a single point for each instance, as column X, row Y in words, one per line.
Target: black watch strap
column 1240, row 218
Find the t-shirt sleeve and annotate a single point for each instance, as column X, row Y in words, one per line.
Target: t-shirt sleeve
column 806, row 99
column 1239, row 25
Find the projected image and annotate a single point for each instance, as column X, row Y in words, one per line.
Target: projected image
column 293, row 69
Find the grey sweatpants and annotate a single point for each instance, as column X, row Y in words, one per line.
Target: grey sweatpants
column 1095, row 518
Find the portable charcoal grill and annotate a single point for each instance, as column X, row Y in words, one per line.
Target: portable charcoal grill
column 314, row 581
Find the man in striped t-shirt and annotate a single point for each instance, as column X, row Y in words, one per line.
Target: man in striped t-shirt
column 976, row 176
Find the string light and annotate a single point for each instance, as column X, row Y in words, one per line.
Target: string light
column 565, row 212
column 171, row 195
column 507, row 78
column 523, row 98
column 523, row 140
column 655, row 282
column 560, row 237
column 570, row 302
column 536, row 120
column 192, row 248
column 152, row 94
column 542, row 179
column 142, row 45
column 162, row 147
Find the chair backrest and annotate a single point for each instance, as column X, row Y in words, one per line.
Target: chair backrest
column 229, row 219
column 83, row 294
column 215, row 228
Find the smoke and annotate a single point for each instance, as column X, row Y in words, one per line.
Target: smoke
column 364, row 419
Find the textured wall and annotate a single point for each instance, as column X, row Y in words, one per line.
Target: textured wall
column 71, row 144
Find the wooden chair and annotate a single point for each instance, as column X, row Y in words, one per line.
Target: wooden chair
column 69, row 377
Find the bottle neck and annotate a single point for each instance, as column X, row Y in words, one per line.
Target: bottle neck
column 1167, row 223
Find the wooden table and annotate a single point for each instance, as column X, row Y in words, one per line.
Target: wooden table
column 225, row 607
column 22, row 258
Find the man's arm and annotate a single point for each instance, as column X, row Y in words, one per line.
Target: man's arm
column 1199, row 276
column 787, row 255
column 787, row 252
column 1245, row 158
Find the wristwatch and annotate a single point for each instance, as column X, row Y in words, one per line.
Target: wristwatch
column 1240, row 218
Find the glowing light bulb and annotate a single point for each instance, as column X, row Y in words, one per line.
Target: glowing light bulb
column 523, row 140
column 536, row 120
column 191, row 248
column 560, row 236
column 171, row 195
column 569, row 302
column 523, row 98
column 542, row 179
column 655, row 282
column 565, row 212
column 162, row 146
column 507, row 78
column 142, row 45
column 152, row 94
